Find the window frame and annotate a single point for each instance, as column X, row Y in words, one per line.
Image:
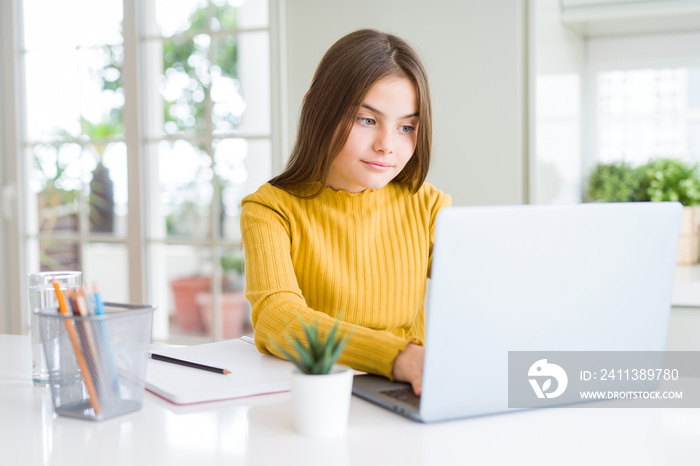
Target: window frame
column 12, row 202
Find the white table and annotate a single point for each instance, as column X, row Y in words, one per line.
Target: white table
column 258, row 431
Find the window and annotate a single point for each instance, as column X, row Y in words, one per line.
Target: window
column 75, row 155
column 139, row 144
column 648, row 113
column 644, row 98
column 611, row 81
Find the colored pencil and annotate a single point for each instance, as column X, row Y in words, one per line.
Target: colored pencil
column 93, row 342
column 195, row 365
column 104, row 341
column 99, row 304
column 75, row 341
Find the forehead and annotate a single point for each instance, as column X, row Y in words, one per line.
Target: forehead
column 393, row 96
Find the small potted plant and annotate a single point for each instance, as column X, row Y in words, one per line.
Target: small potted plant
column 670, row 180
column 321, row 389
column 679, row 181
column 659, row 180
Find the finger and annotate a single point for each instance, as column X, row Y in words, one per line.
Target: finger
column 417, row 386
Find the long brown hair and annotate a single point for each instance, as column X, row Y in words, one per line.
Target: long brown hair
column 346, row 73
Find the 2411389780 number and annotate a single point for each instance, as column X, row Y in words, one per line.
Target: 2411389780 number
column 635, row 374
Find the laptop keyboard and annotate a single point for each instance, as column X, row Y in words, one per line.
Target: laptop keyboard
column 404, row 394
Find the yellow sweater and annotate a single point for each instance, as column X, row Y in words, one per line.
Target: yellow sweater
column 366, row 255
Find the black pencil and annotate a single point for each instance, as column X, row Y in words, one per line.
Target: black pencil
column 195, row 365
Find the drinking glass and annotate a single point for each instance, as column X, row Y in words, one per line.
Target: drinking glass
column 42, row 295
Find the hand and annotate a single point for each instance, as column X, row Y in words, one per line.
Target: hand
column 408, row 366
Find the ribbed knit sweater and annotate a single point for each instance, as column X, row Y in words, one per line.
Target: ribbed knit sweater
column 363, row 256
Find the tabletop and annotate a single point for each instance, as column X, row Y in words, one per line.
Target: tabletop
column 259, row 431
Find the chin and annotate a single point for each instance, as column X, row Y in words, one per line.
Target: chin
column 375, row 183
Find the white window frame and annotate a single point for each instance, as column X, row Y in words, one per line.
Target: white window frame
column 13, row 269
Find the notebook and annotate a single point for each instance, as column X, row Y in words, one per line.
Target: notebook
column 252, row 373
column 591, row 277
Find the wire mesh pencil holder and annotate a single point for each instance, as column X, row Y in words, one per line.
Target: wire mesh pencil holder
column 97, row 364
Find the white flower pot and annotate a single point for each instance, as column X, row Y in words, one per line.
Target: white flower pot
column 321, row 403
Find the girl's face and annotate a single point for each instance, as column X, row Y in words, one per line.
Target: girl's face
column 382, row 139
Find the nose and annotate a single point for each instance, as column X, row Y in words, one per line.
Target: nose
column 384, row 141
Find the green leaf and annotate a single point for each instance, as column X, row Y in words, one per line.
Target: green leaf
column 305, row 354
column 292, row 358
column 311, row 332
column 311, row 354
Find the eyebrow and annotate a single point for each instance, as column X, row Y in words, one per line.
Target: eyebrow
column 380, row 113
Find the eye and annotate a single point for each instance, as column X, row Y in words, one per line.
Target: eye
column 366, row 121
column 407, row 129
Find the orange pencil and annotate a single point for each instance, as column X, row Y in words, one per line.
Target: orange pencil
column 70, row 326
column 89, row 340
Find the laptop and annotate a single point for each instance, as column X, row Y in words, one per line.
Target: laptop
column 588, row 277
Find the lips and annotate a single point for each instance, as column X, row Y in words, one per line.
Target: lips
column 377, row 165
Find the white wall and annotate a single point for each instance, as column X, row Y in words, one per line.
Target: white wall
column 559, row 57
column 474, row 51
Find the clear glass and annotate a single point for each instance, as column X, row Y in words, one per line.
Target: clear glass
column 51, row 114
column 113, row 281
column 188, row 274
column 189, row 16
column 191, row 301
column 228, row 105
column 108, row 190
column 91, row 99
column 647, row 113
column 251, row 13
column 185, row 84
column 101, row 92
column 241, row 83
column 56, row 186
column 219, row 84
column 71, row 23
column 42, row 295
column 235, row 309
column 230, row 75
column 57, row 254
column 241, row 166
column 186, row 189
column 181, row 16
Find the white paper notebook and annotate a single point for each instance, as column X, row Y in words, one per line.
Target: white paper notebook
column 251, row 374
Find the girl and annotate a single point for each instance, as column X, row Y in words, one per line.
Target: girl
column 348, row 227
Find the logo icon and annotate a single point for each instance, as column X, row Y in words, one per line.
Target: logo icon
column 542, row 369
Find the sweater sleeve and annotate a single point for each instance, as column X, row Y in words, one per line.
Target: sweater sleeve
column 439, row 202
column 278, row 304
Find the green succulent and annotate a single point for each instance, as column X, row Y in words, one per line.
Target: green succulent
column 313, row 354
